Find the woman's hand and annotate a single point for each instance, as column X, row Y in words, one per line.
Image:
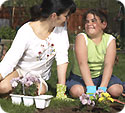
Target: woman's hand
column 61, row 89
column 1, row 77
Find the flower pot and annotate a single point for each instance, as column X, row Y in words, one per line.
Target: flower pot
column 42, row 101
column 28, row 100
column 16, row 99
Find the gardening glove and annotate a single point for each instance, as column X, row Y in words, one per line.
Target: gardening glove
column 61, row 89
column 91, row 90
column 103, row 88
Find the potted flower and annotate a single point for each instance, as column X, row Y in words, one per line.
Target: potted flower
column 25, row 87
column 100, row 100
column 17, row 90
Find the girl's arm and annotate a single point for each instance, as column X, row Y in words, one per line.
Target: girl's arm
column 109, row 63
column 82, row 58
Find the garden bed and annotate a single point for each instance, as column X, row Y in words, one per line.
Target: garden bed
column 59, row 106
column 115, row 108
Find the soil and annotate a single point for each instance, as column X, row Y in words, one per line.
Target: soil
column 115, row 108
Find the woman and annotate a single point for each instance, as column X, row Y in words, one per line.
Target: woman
column 95, row 52
column 36, row 45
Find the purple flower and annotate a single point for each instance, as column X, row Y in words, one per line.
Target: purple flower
column 14, row 82
column 93, row 103
column 26, row 81
column 94, row 95
column 99, row 91
column 89, row 102
column 93, row 100
column 29, row 79
column 84, row 101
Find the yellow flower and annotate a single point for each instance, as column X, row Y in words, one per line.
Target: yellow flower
column 105, row 95
column 111, row 99
column 101, row 99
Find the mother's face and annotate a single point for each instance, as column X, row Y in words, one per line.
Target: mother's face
column 61, row 19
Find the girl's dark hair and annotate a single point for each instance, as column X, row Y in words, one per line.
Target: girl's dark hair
column 97, row 12
column 48, row 7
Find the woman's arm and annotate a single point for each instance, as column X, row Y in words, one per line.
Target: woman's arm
column 1, row 77
column 109, row 63
column 82, row 58
column 61, row 71
column 14, row 54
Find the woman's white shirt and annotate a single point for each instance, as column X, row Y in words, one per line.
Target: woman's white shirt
column 31, row 54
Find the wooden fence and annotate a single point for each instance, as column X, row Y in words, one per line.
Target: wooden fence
column 19, row 16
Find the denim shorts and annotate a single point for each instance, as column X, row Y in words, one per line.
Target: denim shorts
column 75, row 79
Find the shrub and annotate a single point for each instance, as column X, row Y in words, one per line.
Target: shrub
column 7, row 32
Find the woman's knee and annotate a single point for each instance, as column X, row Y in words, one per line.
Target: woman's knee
column 5, row 84
column 43, row 89
column 115, row 90
column 5, row 87
column 76, row 91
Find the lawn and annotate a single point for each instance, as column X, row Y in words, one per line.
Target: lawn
column 60, row 106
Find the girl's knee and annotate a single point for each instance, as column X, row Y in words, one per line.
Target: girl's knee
column 115, row 90
column 76, row 91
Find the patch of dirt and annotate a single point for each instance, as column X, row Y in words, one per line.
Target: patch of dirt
column 115, row 108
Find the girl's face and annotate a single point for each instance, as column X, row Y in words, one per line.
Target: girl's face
column 94, row 26
column 61, row 19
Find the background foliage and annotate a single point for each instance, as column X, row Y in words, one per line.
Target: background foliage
column 7, row 32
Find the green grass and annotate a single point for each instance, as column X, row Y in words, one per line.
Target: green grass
column 7, row 106
column 119, row 70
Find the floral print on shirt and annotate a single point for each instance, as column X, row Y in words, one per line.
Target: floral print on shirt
column 47, row 50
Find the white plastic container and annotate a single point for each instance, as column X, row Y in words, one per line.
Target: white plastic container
column 16, row 99
column 28, row 100
column 42, row 101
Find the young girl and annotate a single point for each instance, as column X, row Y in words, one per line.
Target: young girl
column 36, row 45
column 95, row 52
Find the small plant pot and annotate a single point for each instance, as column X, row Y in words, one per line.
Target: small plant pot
column 28, row 100
column 42, row 101
column 16, row 99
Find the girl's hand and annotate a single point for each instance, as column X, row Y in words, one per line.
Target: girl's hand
column 103, row 88
column 91, row 90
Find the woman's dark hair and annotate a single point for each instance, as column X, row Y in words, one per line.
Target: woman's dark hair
column 96, row 12
column 48, row 7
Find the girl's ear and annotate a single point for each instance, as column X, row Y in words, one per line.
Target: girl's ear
column 104, row 25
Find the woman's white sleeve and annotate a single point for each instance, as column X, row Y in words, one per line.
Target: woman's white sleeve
column 63, row 46
column 13, row 55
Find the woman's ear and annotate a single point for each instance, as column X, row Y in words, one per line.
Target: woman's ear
column 53, row 15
